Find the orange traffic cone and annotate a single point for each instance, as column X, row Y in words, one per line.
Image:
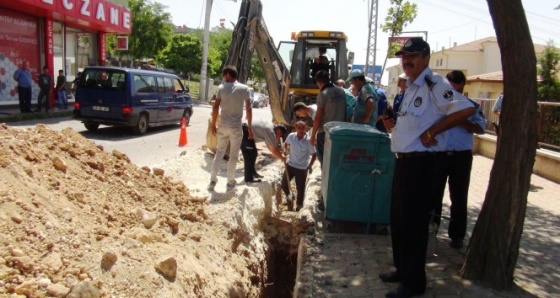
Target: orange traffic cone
column 183, row 135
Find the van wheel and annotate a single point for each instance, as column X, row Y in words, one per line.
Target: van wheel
column 91, row 126
column 187, row 116
column 142, row 125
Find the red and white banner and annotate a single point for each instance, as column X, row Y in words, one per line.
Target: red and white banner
column 122, row 43
column 400, row 40
column 49, row 53
column 98, row 15
column 19, row 41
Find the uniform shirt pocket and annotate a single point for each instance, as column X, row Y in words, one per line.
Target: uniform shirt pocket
column 414, row 113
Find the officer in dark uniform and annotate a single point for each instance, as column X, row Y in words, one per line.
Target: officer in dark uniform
column 458, row 166
column 430, row 107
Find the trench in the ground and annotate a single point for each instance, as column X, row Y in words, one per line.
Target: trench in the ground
column 282, row 268
column 282, row 255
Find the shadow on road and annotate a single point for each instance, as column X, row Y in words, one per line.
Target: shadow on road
column 119, row 133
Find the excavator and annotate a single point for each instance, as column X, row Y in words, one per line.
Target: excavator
column 289, row 68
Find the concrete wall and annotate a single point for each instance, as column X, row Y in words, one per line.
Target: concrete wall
column 546, row 164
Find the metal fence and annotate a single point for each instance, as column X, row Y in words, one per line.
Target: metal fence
column 548, row 127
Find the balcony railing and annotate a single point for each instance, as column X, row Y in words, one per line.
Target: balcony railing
column 548, row 127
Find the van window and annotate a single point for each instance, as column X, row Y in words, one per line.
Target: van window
column 168, row 83
column 144, row 84
column 161, row 84
column 103, row 79
column 165, row 85
column 178, row 85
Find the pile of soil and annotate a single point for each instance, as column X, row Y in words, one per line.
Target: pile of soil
column 77, row 221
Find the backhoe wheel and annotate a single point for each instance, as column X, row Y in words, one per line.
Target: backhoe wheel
column 142, row 125
column 90, row 126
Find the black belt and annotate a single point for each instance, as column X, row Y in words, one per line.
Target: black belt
column 421, row 154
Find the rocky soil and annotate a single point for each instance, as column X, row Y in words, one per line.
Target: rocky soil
column 77, row 221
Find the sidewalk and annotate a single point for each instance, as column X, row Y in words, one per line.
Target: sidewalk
column 11, row 113
column 348, row 265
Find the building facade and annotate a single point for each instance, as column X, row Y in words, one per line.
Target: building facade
column 480, row 60
column 63, row 35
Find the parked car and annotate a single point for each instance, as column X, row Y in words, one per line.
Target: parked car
column 266, row 101
column 258, row 101
column 130, row 97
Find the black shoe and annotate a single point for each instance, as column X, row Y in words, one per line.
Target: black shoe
column 403, row 292
column 256, row 175
column 253, row 181
column 457, row 244
column 390, row 277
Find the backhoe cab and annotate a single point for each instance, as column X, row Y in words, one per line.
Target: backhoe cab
column 288, row 69
column 310, row 52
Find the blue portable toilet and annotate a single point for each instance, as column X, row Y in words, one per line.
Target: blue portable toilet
column 357, row 173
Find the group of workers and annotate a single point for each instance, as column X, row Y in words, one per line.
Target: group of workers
column 229, row 101
column 431, row 125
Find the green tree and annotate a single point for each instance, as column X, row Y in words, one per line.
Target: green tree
column 494, row 246
column 218, row 45
column 400, row 14
column 151, row 29
column 549, row 86
column 183, row 54
column 257, row 72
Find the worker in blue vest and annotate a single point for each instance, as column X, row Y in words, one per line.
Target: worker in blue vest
column 365, row 110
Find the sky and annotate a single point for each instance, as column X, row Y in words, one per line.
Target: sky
column 446, row 22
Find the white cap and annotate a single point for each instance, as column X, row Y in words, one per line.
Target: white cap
column 403, row 76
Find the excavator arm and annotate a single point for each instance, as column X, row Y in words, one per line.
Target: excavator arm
column 249, row 35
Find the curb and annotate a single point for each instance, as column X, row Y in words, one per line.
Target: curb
column 17, row 117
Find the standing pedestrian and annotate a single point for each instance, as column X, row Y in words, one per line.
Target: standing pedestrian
column 62, row 101
column 430, row 107
column 262, row 132
column 298, row 164
column 45, row 85
column 229, row 98
column 382, row 104
column 366, row 99
column 458, row 164
column 76, row 81
column 497, row 110
column 341, row 83
column 23, row 77
column 401, row 84
column 331, row 106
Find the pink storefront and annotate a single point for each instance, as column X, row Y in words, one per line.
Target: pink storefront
column 59, row 34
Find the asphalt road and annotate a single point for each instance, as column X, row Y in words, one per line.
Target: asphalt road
column 159, row 144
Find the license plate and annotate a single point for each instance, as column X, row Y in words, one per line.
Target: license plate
column 98, row 108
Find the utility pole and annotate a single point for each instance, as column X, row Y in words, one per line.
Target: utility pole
column 202, row 93
column 372, row 37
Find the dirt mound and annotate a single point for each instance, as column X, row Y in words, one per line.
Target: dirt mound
column 77, row 221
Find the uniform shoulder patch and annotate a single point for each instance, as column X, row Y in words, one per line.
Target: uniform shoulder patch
column 448, row 94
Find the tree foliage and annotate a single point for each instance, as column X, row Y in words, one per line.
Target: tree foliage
column 400, row 14
column 183, row 54
column 257, row 72
column 151, row 29
column 549, row 86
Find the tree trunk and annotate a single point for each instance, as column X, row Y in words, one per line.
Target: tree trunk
column 494, row 246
